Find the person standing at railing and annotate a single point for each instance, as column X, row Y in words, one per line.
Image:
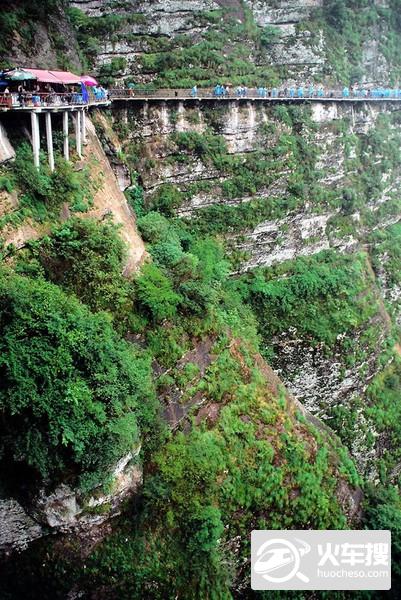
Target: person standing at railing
column 21, row 95
column 85, row 95
column 194, row 91
column 300, row 92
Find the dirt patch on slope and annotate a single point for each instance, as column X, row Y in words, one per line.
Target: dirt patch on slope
column 109, row 200
column 235, row 8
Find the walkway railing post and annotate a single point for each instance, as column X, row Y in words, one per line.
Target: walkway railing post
column 49, row 139
column 78, row 137
column 35, row 138
column 65, row 136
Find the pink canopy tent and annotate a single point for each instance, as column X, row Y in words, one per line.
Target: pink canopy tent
column 66, row 77
column 45, row 76
column 88, row 80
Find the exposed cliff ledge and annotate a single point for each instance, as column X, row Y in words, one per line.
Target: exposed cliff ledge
column 337, row 131
column 297, row 44
column 67, row 510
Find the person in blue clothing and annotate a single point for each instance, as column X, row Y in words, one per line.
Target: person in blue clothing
column 194, row 91
column 320, row 92
column 345, row 92
column 292, row 92
column 300, row 92
column 311, row 90
column 84, row 92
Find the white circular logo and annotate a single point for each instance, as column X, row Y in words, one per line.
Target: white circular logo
column 279, row 560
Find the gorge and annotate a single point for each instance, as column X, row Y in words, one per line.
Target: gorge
column 201, row 316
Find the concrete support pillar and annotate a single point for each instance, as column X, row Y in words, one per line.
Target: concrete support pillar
column 35, row 138
column 180, row 119
column 78, row 137
column 83, row 123
column 49, row 139
column 65, row 135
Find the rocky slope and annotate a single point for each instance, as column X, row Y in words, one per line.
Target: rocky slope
column 291, row 39
column 201, row 157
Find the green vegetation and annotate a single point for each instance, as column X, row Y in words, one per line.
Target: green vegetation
column 384, row 411
column 213, row 485
column 42, row 192
column 323, row 297
column 350, row 25
column 85, row 259
column 73, row 395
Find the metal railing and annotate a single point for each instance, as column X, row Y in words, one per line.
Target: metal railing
column 53, row 99
column 47, row 99
column 252, row 94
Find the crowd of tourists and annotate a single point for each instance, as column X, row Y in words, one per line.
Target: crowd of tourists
column 302, row 91
column 45, row 95
column 40, row 87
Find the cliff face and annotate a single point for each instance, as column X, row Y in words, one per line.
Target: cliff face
column 278, row 185
column 207, row 40
column 67, row 510
column 37, row 35
column 269, row 308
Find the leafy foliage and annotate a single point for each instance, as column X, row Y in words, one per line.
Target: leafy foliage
column 84, row 258
column 317, row 295
column 72, row 395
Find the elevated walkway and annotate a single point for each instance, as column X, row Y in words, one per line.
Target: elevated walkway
column 207, row 94
column 66, row 104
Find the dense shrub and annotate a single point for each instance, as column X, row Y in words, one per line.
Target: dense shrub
column 86, row 258
column 166, row 199
column 72, row 394
column 44, row 192
column 317, row 296
column 155, row 293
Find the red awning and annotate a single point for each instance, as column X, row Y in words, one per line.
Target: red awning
column 44, row 76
